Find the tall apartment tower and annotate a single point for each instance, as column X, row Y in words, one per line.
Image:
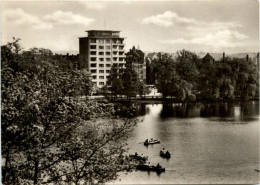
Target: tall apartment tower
column 99, row 51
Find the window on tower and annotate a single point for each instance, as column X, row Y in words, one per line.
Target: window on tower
column 92, row 40
column 101, row 41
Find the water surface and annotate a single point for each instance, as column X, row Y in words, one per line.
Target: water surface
column 209, row 143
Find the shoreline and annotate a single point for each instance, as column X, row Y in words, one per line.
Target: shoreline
column 159, row 101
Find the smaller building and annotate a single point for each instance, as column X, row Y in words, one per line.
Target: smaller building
column 208, row 59
column 135, row 59
column 150, row 57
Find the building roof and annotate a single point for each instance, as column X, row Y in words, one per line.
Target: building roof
column 208, row 57
column 139, row 53
column 102, row 31
column 136, row 52
column 151, row 55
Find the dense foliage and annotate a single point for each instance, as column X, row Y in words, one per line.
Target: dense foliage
column 168, row 81
column 186, row 77
column 126, row 83
column 51, row 132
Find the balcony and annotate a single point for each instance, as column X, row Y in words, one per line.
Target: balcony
column 115, row 49
column 93, row 46
column 93, row 65
column 93, row 59
column 121, row 56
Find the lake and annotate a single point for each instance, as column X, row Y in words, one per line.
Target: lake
column 210, row 143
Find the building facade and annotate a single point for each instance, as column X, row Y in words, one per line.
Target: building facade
column 135, row 59
column 99, row 51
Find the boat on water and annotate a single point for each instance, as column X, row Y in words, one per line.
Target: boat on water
column 145, row 167
column 152, row 141
column 165, row 154
column 140, row 158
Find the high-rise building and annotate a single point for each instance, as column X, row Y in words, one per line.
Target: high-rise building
column 99, row 51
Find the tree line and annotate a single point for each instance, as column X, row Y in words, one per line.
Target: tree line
column 187, row 77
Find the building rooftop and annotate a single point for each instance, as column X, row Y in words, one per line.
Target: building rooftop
column 208, row 56
column 136, row 52
column 151, row 55
column 103, row 34
column 102, row 31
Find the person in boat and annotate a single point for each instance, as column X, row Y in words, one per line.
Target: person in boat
column 136, row 154
column 167, row 152
column 146, row 141
column 151, row 140
column 163, row 150
column 158, row 165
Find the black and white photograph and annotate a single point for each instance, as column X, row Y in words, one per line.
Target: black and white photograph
column 129, row 92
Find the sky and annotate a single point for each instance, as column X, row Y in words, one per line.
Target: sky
column 230, row 26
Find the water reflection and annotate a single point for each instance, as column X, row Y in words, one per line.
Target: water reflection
column 180, row 110
column 224, row 110
column 232, row 111
column 217, row 109
column 131, row 109
column 209, row 143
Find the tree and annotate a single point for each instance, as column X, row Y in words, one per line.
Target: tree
column 41, row 117
column 186, row 66
column 168, row 81
column 142, row 89
column 115, row 81
column 165, row 73
column 233, row 78
column 209, row 81
column 150, row 72
column 15, row 45
column 130, row 82
column 45, row 122
column 98, row 156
